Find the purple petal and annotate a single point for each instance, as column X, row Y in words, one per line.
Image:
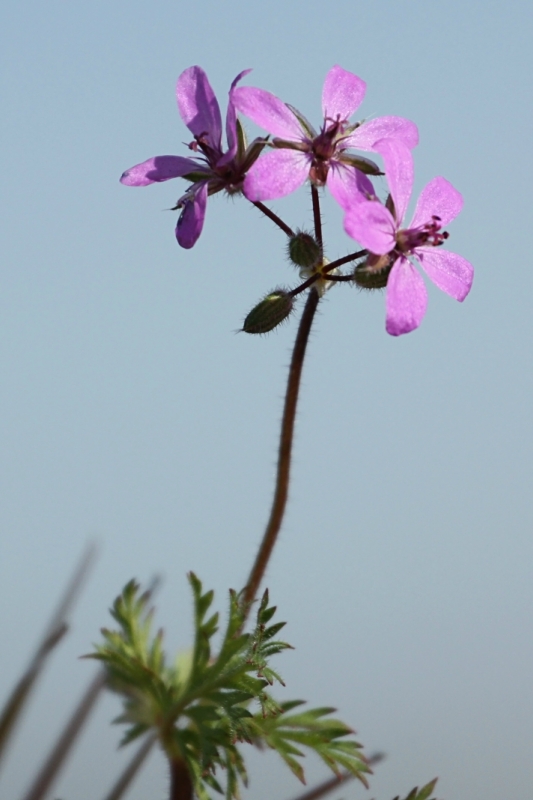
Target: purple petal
column 342, row 94
column 348, row 185
column 372, row 225
column 276, row 174
column 231, row 122
column 399, row 169
column 268, row 112
column 406, row 298
column 450, row 272
column 191, row 219
column 160, row 168
column 438, row 198
column 198, row 105
column 366, row 135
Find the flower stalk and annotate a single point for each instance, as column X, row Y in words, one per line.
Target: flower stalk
column 274, row 217
column 281, row 491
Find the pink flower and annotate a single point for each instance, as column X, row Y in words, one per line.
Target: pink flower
column 212, row 170
column 300, row 152
column 382, row 234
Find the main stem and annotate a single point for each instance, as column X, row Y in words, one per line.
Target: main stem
column 181, row 787
column 285, row 449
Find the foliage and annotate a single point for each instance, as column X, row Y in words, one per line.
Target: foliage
column 423, row 794
column 200, row 705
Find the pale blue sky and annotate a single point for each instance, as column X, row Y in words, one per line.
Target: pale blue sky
column 131, row 412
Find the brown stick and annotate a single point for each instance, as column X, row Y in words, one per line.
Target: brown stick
column 125, row 779
column 67, row 738
column 11, row 713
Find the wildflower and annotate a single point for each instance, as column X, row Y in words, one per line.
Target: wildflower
column 380, row 231
column 212, row 170
column 300, row 152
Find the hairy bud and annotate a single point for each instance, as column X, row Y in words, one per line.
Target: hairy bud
column 270, row 312
column 373, row 273
column 303, row 250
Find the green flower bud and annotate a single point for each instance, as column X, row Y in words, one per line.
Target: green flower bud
column 373, row 273
column 304, row 250
column 270, row 312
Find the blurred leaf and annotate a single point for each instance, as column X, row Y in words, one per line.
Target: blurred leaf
column 423, row 794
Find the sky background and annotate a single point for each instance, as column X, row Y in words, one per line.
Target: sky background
column 132, row 414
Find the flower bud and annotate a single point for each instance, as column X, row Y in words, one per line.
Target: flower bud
column 373, row 273
column 270, row 312
column 304, row 250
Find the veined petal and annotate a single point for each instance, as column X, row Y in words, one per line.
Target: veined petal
column 268, row 111
column 276, row 174
column 399, row 169
column 438, row 198
column 191, row 219
column 406, row 298
column 450, row 272
column 372, row 225
column 348, row 185
column 231, row 122
column 368, row 133
column 342, row 94
column 160, row 168
column 198, row 105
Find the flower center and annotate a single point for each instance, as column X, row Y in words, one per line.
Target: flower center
column 324, row 147
column 201, row 144
column 429, row 235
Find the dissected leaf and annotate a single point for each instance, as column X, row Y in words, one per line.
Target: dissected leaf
column 202, row 706
column 422, row 794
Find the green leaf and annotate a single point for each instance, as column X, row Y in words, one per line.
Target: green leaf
column 424, row 792
column 315, row 730
column 205, row 705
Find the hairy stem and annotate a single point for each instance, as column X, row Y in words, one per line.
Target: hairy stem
column 274, row 217
column 305, row 285
column 285, row 450
column 340, row 277
column 344, row 260
column 317, row 217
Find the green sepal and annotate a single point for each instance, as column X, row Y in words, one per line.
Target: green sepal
column 361, row 163
column 242, row 142
column 373, row 273
column 304, row 122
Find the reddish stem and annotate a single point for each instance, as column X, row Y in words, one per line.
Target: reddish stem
column 285, row 451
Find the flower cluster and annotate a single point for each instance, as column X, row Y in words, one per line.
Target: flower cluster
column 296, row 152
